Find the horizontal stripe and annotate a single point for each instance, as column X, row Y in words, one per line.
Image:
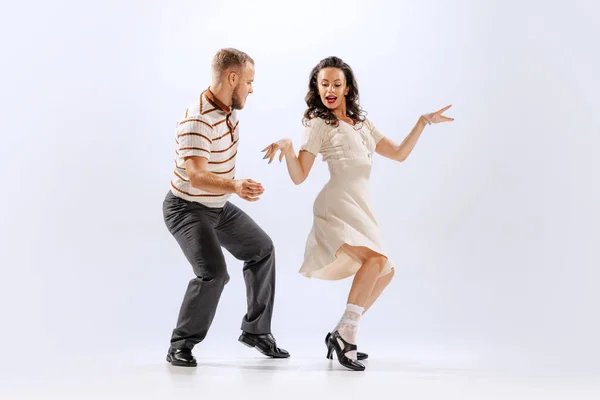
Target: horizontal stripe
column 224, row 150
column 180, row 177
column 194, row 120
column 227, row 133
column 196, row 195
column 224, row 161
column 194, row 134
column 194, row 148
column 212, row 172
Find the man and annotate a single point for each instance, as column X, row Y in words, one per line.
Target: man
column 200, row 217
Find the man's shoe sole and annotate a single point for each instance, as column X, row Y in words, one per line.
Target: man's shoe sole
column 180, row 363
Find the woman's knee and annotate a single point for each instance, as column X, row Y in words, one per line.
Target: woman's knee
column 378, row 261
column 390, row 275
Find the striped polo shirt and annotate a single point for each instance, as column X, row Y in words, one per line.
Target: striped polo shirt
column 209, row 129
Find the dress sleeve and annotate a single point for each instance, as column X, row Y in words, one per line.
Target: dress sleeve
column 377, row 135
column 312, row 136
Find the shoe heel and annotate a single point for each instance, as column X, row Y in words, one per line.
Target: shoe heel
column 329, row 352
column 246, row 342
column 329, row 347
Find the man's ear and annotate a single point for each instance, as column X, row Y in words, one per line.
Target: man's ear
column 232, row 78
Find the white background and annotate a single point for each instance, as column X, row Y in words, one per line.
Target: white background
column 492, row 222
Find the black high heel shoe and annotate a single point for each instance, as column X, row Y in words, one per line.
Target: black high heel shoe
column 341, row 352
column 359, row 355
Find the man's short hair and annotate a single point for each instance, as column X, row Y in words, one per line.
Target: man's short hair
column 229, row 58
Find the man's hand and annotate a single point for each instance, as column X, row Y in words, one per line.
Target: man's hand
column 248, row 189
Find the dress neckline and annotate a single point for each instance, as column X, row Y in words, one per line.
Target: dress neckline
column 353, row 126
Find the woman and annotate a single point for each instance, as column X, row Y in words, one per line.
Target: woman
column 345, row 239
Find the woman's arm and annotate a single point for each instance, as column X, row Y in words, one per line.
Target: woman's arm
column 298, row 166
column 387, row 148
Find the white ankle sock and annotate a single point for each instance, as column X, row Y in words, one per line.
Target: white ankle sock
column 350, row 308
column 348, row 326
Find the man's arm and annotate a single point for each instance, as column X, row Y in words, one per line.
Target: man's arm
column 201, row 178
column 194, row 137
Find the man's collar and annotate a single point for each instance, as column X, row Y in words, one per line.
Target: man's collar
column 216, row 102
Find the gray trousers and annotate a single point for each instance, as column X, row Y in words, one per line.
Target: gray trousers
column 200, row 232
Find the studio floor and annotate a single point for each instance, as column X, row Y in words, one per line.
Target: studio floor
column 255, row 377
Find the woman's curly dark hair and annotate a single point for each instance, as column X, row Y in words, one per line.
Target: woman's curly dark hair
column 316, row 108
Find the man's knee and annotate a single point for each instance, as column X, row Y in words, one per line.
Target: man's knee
column 264, row 248
column 218, row 276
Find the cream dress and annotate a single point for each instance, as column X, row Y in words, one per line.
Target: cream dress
column 342, row 211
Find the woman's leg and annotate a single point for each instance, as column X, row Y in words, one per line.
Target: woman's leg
column 366, row 278
column 381, row 284
column 363, row 285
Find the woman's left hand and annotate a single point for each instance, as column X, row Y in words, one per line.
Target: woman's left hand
column 282, row 145
column 437, row 117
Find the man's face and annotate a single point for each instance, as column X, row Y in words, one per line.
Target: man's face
column 244, row 87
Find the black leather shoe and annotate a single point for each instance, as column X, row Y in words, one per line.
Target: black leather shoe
column 181, row 357
column 340, row 351
column 265, row 343
column 359, row 355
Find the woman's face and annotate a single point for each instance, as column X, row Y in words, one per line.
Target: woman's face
column 332, row 87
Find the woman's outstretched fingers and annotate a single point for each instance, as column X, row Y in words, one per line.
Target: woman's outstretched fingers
column 437, row 117
column 266, row 150
column 444, row 109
